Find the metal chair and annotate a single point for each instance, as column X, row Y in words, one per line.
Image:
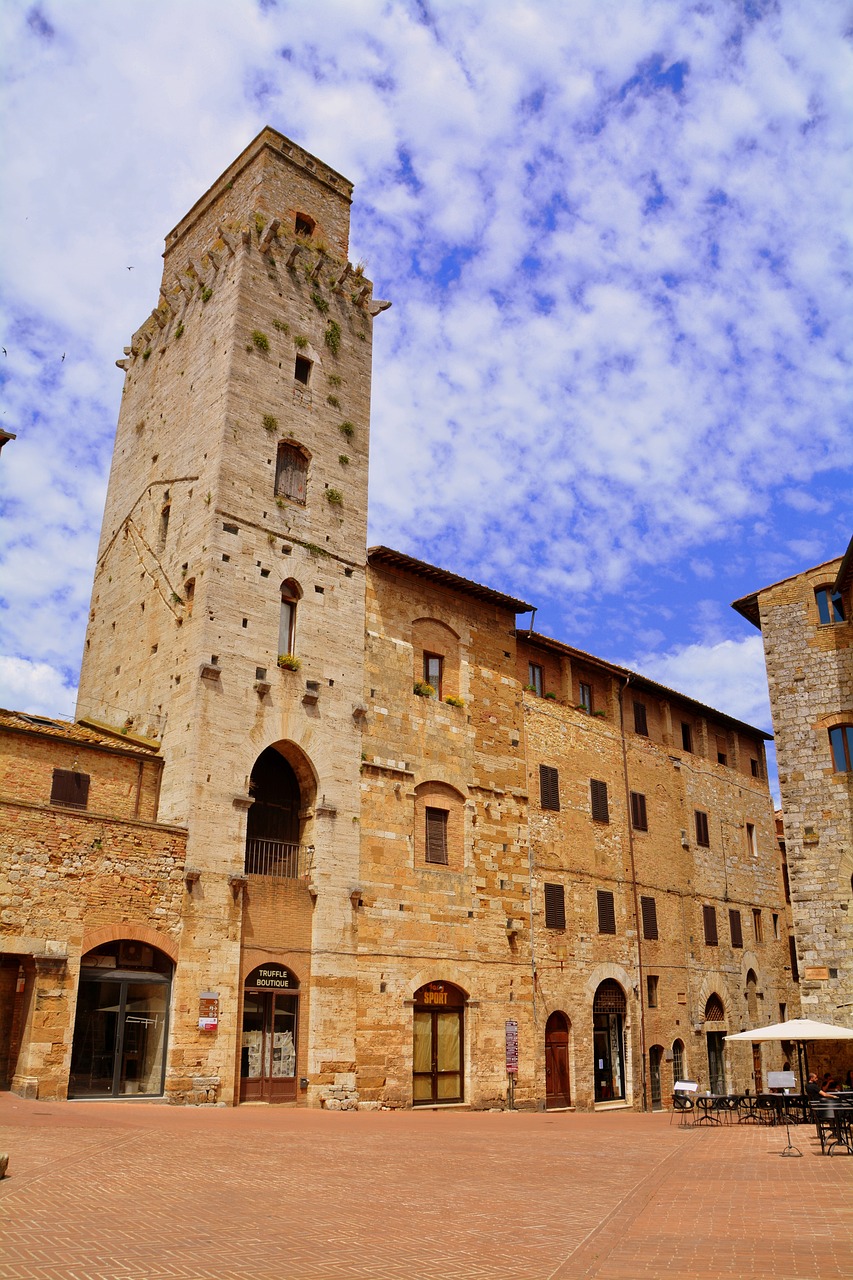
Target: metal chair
column 683, row 1103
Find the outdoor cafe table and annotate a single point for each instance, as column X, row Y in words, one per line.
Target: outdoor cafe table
column 715, row 1107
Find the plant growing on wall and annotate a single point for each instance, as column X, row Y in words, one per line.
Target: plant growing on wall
column 319, row 301
column 260, row 340
column 335, row 497
column 423, row 689
column 334, row 379
column 300, row 341
column 206, row 293
column 333, row 401
column 347, row 429
column 179, row 332
column 343, row 459
column 453, row 701
column 270, row 423
column 289, row 662
column 332, row 337
column 281, row 326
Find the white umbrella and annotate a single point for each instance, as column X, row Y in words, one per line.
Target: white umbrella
column 801, row 1031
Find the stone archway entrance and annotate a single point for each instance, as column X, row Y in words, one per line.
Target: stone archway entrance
column 608, row 1032
column 557, row 1083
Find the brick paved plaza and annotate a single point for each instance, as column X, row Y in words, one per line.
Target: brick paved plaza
column 141, row 1191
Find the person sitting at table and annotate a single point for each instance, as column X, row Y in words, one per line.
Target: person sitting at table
column 814, row 1089
column 848, row 1080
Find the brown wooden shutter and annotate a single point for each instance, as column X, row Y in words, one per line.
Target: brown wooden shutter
column 702, row 828
column 649, row 911
column 640, row 722
column 736, row 929
column 606, row 912
column 638, row 812
column 70, row 789
column 549, row 787
column 598, row 796
column 436, row 835
column 709, row 916
column 555, row 906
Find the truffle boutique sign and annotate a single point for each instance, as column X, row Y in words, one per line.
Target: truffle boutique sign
column 272, row 977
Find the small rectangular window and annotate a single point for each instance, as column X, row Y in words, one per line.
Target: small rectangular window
column 598, row 797
column 606, row 912
column 433, row 671
column 436, row 836
column 709, row 919
column 686, row 736
column 735, row 928
column 702, row 829
column 757, row 924
column 829, row 606
column 792, row 951
column 652, row 990
column 754, row 767
column 722, row 758
column 555, row 906
column 549, row 787
column 534, row 677
column 783, row 1011
column 585, row 696
column 648, row 909
column 70, row 788
column 752, row 847
column 302, row 370
column 641, row 724
column 776, row 925
column 638, row 812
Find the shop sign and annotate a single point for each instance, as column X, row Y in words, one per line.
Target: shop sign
column 208, row 1011
column 818, row 973
column 512, row 1048
column 271, row 977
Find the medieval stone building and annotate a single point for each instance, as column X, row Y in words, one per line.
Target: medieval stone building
column 401, row 850
column 808, row 647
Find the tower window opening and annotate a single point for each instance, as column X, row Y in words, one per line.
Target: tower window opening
column 291, row 473
column 304, row 226
column 302, row 370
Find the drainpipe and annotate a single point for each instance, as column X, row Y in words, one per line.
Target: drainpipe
column 622, row 689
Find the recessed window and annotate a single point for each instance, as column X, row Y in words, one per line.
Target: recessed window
column 638, row 812
column 702, row 829
column 436, row 836
column 686, row 736
column 735, row 928
column 649, row 912
column 641, row 724
column 534, row 677
column 291, row 473
column 757, row 924
column 754, row 767
column 302, row 370
column 585, row 696
column 433, row 671
column 652, row 990
column 549, row 787
column 722, row 758
column 709, row 920
column 165, row 512
column 290, row 596
column 750, row 839
column 606, row 911
column 841, row 743
column 598, row 800
column 776, row 925
column 555, row 906
column 829, row 605
column 303, row 225
column 70, row 789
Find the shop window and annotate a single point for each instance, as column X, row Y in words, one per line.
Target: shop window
column 841, row 743
column 598, row 800
column 555, row 906
column 433, row 671
column 302, row 370
column 648, row 910
column 639, row 820
column 549, row 787
column 757, row 924
column 534, row 678
column 830, row 607
column 70, row 789
column 709, row 920
column 702, row 837
column 585, row 697
column 735, row 927
column 268, row 1054
column 436, row 835
column 686, row 736
column 291, row 473
column 606, row 911
column 652, row 990
column 641, row 724
column 438, row 1038
column 290, row 596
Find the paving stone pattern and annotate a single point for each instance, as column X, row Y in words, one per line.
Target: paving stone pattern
column 145, row 1192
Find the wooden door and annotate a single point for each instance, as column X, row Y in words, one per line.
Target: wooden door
column 557, row 1084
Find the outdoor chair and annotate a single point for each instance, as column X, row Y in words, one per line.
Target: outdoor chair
column 683, row 1103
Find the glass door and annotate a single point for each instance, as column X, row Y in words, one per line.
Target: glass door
column 119, row 1036
column 268, row 1050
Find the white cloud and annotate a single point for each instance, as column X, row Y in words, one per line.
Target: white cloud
column 35, row 687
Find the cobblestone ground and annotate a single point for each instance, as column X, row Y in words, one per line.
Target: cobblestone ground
column 142, row 1191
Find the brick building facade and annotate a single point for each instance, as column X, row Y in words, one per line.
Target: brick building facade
column 411, row 841
column 808, row 647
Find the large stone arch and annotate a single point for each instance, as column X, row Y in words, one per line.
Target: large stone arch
column 131, row 932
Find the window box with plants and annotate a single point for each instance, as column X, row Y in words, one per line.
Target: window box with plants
column 423, row 690
column 289, row 662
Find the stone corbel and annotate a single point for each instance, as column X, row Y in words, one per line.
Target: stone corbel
column 268, row 234
column 237, row 884
column 377, row 305
column 338, row 286
column 229, row 241
column 292, row 256
column 321, row 262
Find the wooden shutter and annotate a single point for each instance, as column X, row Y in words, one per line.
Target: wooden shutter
column 638, row 812
column 291, row 473
column 606, row 912
column 640, row 722
column 598, row 796
column 549, row 787
column 70, row 789
column 709, row 916
column 555, row 906
column 702, row 828
column 436, row 835
column 649, row 912
column 735, row 927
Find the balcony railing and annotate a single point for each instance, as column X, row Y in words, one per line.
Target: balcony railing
column 277, row 860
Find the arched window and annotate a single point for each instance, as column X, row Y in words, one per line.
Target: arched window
column 435, row 648
column 272, row 828
column 841, row 744
column 291, row 472
column 678, row 1067
column 752, row 997
column 439, row 826
column 608, row 1032
column 830, row 607
column 291, row 593
column 714, row 1011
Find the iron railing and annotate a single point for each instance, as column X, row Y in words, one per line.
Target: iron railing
column 277, row 860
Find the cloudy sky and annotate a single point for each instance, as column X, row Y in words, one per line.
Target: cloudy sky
column 615, row 380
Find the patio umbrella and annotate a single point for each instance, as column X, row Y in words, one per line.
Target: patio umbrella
column 801, row 1031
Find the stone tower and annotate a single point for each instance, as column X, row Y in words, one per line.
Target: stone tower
column 227, row 612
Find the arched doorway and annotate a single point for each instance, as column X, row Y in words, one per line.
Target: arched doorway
column 714, row 1012
column 272, row 828
column 268, row 1042
column 608, row 1034
column 557, row 1085
column 121, row 1026
column 655, row 1059
column 438, row 1040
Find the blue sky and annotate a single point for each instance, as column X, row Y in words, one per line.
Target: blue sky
column 615, row 380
